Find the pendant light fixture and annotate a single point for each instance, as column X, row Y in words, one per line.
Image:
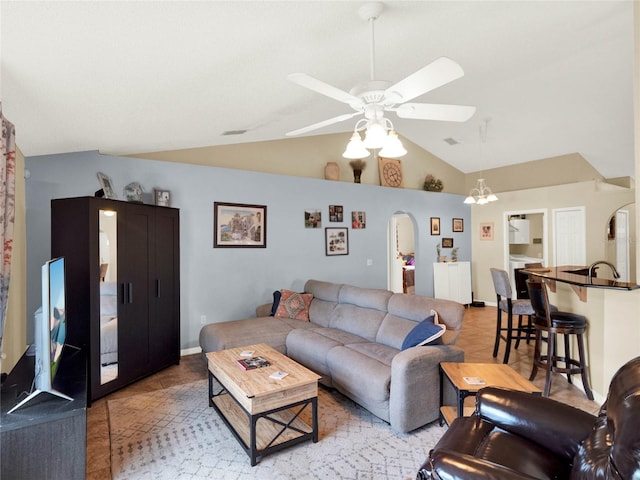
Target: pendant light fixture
column 481, row 194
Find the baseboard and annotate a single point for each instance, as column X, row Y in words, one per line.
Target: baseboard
column 190, row 351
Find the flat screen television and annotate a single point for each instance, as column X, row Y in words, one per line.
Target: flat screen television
column 50, row 331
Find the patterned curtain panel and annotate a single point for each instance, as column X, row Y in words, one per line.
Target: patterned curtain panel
column 7, row 212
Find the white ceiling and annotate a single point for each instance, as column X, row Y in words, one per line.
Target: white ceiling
column 129, row 77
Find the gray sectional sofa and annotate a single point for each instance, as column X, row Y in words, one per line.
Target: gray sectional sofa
column 354, row 340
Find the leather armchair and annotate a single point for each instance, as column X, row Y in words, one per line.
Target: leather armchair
column 516, row 435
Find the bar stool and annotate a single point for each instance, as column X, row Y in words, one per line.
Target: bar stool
column 556, row 323
column 511, row 307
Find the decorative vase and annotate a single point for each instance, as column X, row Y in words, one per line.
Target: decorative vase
column 356, row 175
column 332, row 171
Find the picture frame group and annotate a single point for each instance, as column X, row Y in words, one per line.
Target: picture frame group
column 239, row 225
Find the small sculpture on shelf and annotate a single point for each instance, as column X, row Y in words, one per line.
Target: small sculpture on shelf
column 133, row 192
column 357, row 166
column 432, row 184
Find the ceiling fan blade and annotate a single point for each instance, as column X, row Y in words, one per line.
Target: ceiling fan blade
column 323, row 88
column 439, row 72
column 315, row 126
column 433, row 111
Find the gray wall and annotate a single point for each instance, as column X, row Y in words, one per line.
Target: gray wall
column 224, row 283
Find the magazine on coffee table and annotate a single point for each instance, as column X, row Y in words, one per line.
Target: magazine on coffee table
column 253, row 362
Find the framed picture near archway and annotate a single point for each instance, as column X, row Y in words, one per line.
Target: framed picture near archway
column 486, row 231
column 458, row 225
column 435, row 225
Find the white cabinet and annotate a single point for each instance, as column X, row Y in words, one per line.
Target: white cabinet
column 518, row 231
column 452, row 281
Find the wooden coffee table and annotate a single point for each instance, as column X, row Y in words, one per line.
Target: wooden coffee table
column 264, row 414
column 492, row 374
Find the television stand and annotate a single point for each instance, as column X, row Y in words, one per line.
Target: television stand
column 32, row 437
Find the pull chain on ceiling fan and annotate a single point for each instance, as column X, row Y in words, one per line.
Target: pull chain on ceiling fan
column 375, row 97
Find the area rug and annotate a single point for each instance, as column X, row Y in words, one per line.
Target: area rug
column 173, row 434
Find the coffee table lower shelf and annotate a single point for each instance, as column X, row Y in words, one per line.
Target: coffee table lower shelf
column 269, row 431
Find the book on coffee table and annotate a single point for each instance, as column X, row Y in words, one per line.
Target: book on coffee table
column 253, row 362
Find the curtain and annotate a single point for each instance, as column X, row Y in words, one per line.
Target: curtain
column 7, row 212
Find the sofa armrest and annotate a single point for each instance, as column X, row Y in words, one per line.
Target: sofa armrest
column 414, row 399
column 557, row 426
column 264, row 310
column 444, row 464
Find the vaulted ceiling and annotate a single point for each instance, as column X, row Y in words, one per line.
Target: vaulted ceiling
column 127, row 77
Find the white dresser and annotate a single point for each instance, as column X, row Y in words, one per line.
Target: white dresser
column 452, row 281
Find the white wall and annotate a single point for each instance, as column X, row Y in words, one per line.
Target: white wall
column 224, row 283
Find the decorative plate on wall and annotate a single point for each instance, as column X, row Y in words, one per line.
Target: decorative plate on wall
column 390, row 172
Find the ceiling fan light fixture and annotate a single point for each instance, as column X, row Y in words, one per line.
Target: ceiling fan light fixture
column 393, row 147
column 375, row 136
column 355, row 148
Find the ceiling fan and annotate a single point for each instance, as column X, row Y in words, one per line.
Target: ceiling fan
column 375, row 97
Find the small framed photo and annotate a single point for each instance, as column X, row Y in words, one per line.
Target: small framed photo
column 336, row 213
column 162, row 198
column 486, row 231
column 458, row 225
column 447, row 243
column 239, row 225
column 107, row 186
column 358, row 220
column 336, row 241
column 435, row 225
column 312, row 219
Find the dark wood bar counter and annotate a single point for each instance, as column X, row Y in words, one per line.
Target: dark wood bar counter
column 578, row 275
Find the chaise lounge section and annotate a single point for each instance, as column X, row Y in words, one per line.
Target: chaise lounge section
column 354, row 339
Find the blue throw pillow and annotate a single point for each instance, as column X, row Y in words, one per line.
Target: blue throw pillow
column 276, row 301
column 425, row 333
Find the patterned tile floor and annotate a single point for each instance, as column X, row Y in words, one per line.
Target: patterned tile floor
column 476, row 339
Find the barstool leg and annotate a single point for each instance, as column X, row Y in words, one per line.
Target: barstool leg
column 567, row 357
column 536, row 355
column 551, row 354
column 498, row 328
column 509, row 336
column 583, row 363
column 519, row 330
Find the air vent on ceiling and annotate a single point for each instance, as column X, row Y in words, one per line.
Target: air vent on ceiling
column 233, row 132
column 451, row 141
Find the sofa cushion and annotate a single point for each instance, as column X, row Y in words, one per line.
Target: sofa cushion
column 237, row 333
column 427, row 332
column 361, row 376
column 294, row 305
column 309, row 347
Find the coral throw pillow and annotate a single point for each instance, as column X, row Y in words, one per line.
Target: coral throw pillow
column 294, row 305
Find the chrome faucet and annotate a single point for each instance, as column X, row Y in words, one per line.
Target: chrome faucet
column 593, row 267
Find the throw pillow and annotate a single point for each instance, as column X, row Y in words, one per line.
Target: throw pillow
column 427, row 332
column 294, row 305
column 276, row 302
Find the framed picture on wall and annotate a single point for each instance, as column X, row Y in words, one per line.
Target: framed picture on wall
column 107, row 186
column 312, row 218
column 336, row 213
column 447, row 243
column 435, row 225
column 458, row 225
column 486, row 231
column 162, row 198
column 358, row 220
column 239, row 225
column 336, row 241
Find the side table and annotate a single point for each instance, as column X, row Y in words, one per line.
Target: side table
column 492, row 374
